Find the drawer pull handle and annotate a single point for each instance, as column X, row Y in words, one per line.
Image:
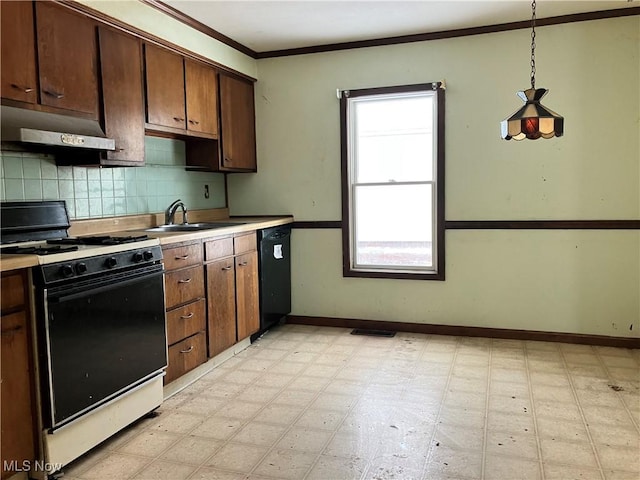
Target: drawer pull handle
column 183, row 257
column 188, row 350
column 24, row 89
column 54, row 94
column 178, row 119
column 242, row 264
column 186, row 280
column 224, row 269
column 194, row 122
column 186, row 317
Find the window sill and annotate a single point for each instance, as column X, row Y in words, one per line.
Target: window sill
column 437, row 276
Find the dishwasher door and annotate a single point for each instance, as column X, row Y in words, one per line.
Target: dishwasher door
column 274, row 266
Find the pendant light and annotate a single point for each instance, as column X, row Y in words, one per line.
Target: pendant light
column 533, row 120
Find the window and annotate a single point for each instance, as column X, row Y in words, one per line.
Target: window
column 392, row 143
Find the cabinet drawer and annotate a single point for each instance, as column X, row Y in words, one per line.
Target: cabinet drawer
column 183, row 286
column 185, row 321
column 219, row 248
column 186, row 355
column 245, row 243
column 180, row 257
column 12, row 291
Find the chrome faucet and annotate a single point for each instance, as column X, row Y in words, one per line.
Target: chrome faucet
column 170, row 213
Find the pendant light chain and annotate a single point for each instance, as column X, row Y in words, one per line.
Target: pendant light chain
column 533, row 44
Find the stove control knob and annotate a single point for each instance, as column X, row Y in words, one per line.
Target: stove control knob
column 137, row 257
column 81, row 268
column 148, row 255
column 111, row 262
column 66, row 271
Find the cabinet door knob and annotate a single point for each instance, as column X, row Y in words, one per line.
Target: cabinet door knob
column 242, row 264
column 186, row 280
column 24, row 89
column 186, row 317
column 187, row 350
column 194, row 122
column 178, row 119
column 181, row 257
column 54, row 94
column 224, row 269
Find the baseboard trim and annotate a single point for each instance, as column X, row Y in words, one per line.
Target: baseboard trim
column 504, row 333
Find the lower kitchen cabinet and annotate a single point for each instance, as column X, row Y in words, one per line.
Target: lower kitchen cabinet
column 182, row 286
column 186, row 309
column 186, row 355
column 221, row 305
column 17, row 420
column 248, row 314
column 232, row 290
column 182, row 322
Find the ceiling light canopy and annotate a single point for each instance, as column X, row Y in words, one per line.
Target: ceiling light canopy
column 533, row 120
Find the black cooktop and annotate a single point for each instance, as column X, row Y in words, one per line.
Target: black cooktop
column 97, row 240
column 38, row 250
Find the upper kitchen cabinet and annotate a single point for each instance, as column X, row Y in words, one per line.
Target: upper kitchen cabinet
column 67, row 58
column 236, row 151
column 122, row 95
column 237, row 118
column 165, row 88
column 19, row 77
column 181, row 94
column 202, row 98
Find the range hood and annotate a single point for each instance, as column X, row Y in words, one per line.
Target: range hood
column 53, row 130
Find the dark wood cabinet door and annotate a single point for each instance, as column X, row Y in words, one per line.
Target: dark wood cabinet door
column 19, row 80
column 17, row 420
column 123, row 102
column 165, row 88
column 237, row 123
column 183, row 286
column 67, row 57
column 186, row 355
column 221, row 305
column 248, row 315
column 185, row 321
column 202, row 98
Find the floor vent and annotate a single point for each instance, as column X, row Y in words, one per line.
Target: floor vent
column 373, row 333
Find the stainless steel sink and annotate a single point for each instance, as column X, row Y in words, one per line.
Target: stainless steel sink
column 190, row 227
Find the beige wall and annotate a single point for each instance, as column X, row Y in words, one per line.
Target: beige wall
column 566, row 281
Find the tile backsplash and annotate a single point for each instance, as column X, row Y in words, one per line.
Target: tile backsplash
column 92, row 192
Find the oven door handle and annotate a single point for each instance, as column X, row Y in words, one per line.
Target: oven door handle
column 103, row 288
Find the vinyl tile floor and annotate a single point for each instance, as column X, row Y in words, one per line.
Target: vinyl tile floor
column 317, row 403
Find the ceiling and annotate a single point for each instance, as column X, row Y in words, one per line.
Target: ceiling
column 267, row 25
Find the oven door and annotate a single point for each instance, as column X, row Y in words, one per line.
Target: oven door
column 103, row 337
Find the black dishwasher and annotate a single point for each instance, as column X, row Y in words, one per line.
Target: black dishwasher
column 274, row 267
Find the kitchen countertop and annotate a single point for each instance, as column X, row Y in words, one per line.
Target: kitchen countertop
column 245, row 224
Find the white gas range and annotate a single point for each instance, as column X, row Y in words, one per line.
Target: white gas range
column 98, row 326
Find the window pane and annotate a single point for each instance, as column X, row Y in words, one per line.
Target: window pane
column 393, row 226
column 393, row 139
